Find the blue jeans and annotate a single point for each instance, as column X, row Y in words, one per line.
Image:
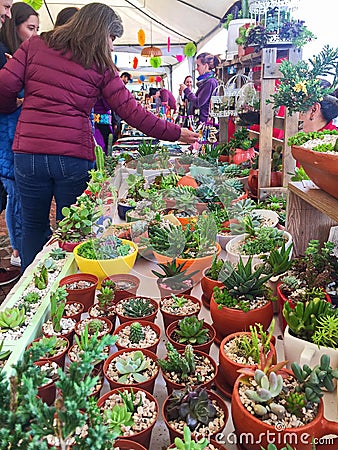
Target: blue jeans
column 13, row 213
column 39, row 178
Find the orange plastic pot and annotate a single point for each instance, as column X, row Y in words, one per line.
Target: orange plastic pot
column 168, row 318
column 126, row 285
column 198, row 347
column 208, row 284
column 143, row 323
column 246, row 425
column 142, row 437
column 187, row 180
column 150, row 318
column 85, row 295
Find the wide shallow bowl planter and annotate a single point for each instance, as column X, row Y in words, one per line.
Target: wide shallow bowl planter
column 142, row 437
column 207, row 285
column 126, row 285
column 58, row 359
column 104, row 268
column 191, row 265
column 228, row 368
column 108, row 323
column 76, row 316
column 172, row 385
column 214, row 397
column 305, row 352
column 123, row 444
column 229, row 320
column 168, row 318
column 322, row 168
column 143, row 323
column 150, row 318
column 198, row 347
column 234, row 255
column 85, row 295
column 246, row 425
column 147, row 385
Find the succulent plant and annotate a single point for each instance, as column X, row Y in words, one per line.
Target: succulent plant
column 278, row 261
column 326, row 333
column 11, row 318
column 136, row 333
column 194, row 407
column 106, row 296
column 108, row 283
column 4, row 354
column 134, row 364
column 57, row 306
column 95, row 326
column 31, row 297
column 268, row 387
column 138, row 307
column 190, row 330
column 179, row 301
column 57, row 253
column 188, row 443
column 49, row 264
column 118, row 417
column 215, row 268
column 41, row 278
column 174, row 275
column 295, row 402
column 184, row 365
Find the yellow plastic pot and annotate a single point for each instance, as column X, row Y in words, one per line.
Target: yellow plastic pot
column 103, row 268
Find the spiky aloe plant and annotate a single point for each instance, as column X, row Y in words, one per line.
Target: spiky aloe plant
column 137, row 307
column 57, row 306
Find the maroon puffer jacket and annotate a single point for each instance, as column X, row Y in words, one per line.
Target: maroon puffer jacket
column 59, row 95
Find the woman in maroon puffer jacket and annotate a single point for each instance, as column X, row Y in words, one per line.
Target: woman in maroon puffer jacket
column 64, row 72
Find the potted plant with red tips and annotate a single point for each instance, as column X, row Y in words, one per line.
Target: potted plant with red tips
column 174, row 279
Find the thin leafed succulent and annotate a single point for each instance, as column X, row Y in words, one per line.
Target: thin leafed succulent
column 138, row 307
column 4, row 354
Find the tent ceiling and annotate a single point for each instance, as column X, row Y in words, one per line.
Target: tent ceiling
column 181, row 20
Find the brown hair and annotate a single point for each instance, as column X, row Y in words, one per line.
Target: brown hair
column 212, row 60
column 86, row 36
column 8, row 35
column 65, row 15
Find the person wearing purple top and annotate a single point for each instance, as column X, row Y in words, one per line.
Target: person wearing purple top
column 168, row 98
column 206, row 66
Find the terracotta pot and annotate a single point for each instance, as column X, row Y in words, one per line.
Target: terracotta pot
column 228, row 368
column 191, row 264
column 143, row 437
column 58, row 359
column 97, row 371
column 76, row 316
column 150, row 318
column 228, row 320
column 168, row 318
column 253, row 181
column 260, row 432
column 143, row 323
column 187, row 180
column 86, row 295
column 171, row 385
column 322, row 168
column 69, row 335
column 164, row 292
column 102, row 319
column 281, row 302
column 242, row 155
column 199, row 347
column 68, row 246
column 174, row 433
column 123, row 444
column 47, row 392
column 111, row 316
column 184, row 167
column 208, row 284
column 276, row 179
column 223, row 158
column 241, row 197
column 126, row 285
column 185, row 221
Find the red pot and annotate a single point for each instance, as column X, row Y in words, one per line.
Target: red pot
column 68, row 246
column 47, row 392
column 174, row 433
column 144, row 323
column 228, row 320
column 123, row 444
column 208, row 284
column 242, row 155
column 223, row 158
column 253, row 181
column 103, row 319
column 86, row 295
column 76, row 316
column 126, row 285
column 143, row 437
column 164, row 292
column 260, row 433
column 228, row 368
column 150, row 318
column 59, row 359
column 199, row 347
column 168, row 318
column 276, row 179
column 171, row 385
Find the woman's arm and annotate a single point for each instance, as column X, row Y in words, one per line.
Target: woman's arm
column 11, row 79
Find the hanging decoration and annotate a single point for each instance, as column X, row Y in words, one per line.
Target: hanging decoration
column 158, row 79
column 151, row 79
column 141, row 37
column 190, row 49
column 149, row 52
column 142, row 78
column 155, row 62
column 168, row 44
column 115, row 60
column 135, row 63
column 139, row 81
column 35, row 4
column 180, row 58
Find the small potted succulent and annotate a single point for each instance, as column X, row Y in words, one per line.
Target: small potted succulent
column 105, row 306
column 174, row 279
column 179, row 306
column 96, row 326
column 126, row 285
column 138, row 334
column 191, row 443
column 190, row 330
column 187, row 367
column 73, row 310
column 58, row 325
column 136, row 185
column 80, row 287
column 136, row 308
column 57, row 348
column 211, row 279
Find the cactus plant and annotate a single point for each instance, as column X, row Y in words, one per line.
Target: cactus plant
column 184, row 365
column 137, row 307
column 41, row 278
column 136, row 333
column 95, row 326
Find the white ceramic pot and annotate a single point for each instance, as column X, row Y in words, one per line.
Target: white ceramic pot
column 270, row 218
column 304, row 352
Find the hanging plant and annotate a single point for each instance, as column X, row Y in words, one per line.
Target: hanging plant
column 168, row 44
column 135, row 63
column 141, row 37
column 190, row 49
column 155, row 61
column 35, row 4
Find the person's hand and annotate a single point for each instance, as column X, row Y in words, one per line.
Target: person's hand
column 8, row 56
column 188, row 137
column 182, row 87
column 19, row 102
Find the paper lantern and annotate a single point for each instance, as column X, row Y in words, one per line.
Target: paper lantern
column 190, row 49
column 135, row 63
column 139, row 81
column 142, row 78
column 168, row 44
column 180, row 58
column 35, row 4
column 158, row 79
column 141, row 37
column 155, row 62
column 151, row 79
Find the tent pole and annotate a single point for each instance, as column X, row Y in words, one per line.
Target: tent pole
column 50, row 16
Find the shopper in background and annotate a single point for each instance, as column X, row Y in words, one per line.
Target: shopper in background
column 115, row 124
column 23, row 24
column 65, row 71
column 206, row 66
column 167, row 98
column 321, row 114
column 65, row 15
column 5, row 11
column 186, row 106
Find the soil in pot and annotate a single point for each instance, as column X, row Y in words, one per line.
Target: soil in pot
column 177, row 307
column 81, row 288
column 100, row 325
column 96, row 311
column 131, row 336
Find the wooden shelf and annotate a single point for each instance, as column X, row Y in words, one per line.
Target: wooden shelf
column 311, row 213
